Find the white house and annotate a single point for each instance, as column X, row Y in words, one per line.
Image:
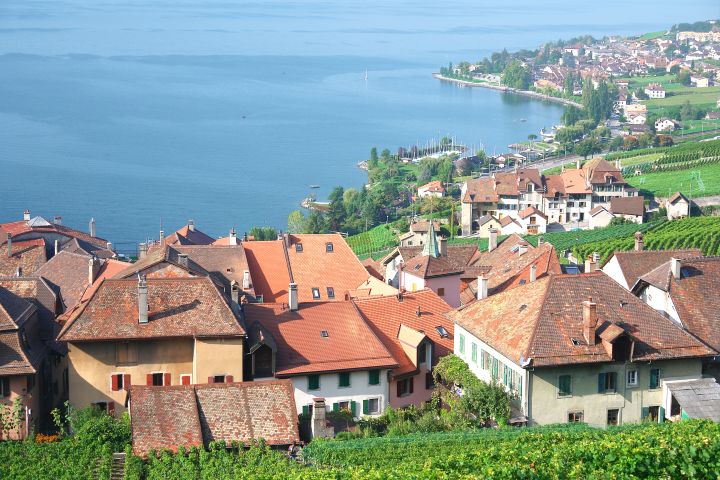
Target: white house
column 665, row 124
column 600, row 216
column 637, row 119
column 700, row 82
column 677, row 206
column 533, row 221
column 431, row 189
column 654, row 90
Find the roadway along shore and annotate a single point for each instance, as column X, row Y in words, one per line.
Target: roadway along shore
column 503, row 88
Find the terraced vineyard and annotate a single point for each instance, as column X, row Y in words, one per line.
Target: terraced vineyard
column 568, row 240
column 694, row 232
column 374, row 240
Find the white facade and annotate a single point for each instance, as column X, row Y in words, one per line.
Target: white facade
column 601, row 218
column 660, row 300
column 655, row 92
column 612, row 269
column 679, row 209
column 664, row 125
column 330, row 389
column 638, row 119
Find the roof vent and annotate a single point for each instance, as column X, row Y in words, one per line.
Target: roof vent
column 418, row 312
column 324, row 333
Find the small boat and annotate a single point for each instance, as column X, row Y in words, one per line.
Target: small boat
column 523, row 120
column 314, row 186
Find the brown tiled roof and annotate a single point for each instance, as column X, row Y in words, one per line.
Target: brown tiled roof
column 488, row 189
column 164, row 418
column 531, row 211
column 554, row 184
column 269, row 269
column 677, row 196
column 598, row 170
column 162, row 254
column 314, row 267
column 457, row 260
column 68, row 274
column 178, row 307
column 26, row 230
column 349, row 345
column 39, row 293
column 76, row 245
column 20, row 353
column 628, row 205
column 29, row 255
column 226, row 263
column 538, row 322
column 14, row 358
column 422, row 226
column 634, row 264
column 185, row 236
column 385, row 315
column 374, row 268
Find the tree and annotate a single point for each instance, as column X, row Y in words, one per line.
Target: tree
column 570, row 116
column 588, row 147
column 296, row 222
column 516, row 76
column 315, row 222
column 630, row 142
column 385, row 156
column 683, row 77
column 372, row 163
column 336, row 210
column 569, row 84
column 687, row 112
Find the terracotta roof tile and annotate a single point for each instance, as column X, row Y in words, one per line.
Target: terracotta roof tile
column 68, row 274
column 423, row 266
column 628, row 205
column 179, row 307
column 188, row 236
column 226, row 263
column 30, row 230
column 634, row 264
column 28, row 255
column 165, row 254
column 385, row 315
column 349, row 345
column 269, row 269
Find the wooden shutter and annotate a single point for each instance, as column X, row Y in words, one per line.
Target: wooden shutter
column 661, row 415
column 211, row 379
column 366, row 407
column 601, row 383
column 645, row 413
column 148, row 378
column 353, row 409
column 126, row 381
column 167, row 379
column 228, row 379
column 398, row 384
column 111, row 408
column 185, row 379
column 115, row 382
column 412, row 381
column 305, row 410
column 336, row 407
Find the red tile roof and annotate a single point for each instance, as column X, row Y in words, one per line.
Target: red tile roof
column 537, row 323
column 155, row 259
column 226, row 263
column 424, row 266
column 268, row 269
column 188, row 236
column 164, row 418
column 531, row 211
column 29, row 255
column 386, row 314
column 349, row 345
column 488, row 189
column 28, row 229
column 21, row 350
column 374, row 268
column 178, row 307
column 68, row 274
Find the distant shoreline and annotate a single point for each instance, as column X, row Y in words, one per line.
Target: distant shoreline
column 502, row 88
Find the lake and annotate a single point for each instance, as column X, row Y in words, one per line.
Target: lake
column 149, row 112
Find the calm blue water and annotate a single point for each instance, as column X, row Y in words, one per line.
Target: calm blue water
column 225, row 111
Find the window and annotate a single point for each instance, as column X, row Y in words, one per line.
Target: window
column 298, row 247
column 330, row 292
column 607, row 382
column 405, row 387
column 429, row 381
column 441, row 292
column 653, row 414
column 371, row 406
column 158, row 379
column 329, row 247
column 575, row 417
column 313, row 382
column 186, row 379
column 632, row 378
column 30, row 383
column 219, row 379
column 344, row 379
column 324, row 333
column 473, row 353
column 316, row 293
column 484, row 360
column 344, row 405
column 462, row 343
column 422, row 353
column 119, row 381
column 4, row 387
column 613, row 416
column 374, row 377
column 654, row 377
column 441, row 331
column 495, row 365
column 564, row 385
column 125, row 353
column 307, row 410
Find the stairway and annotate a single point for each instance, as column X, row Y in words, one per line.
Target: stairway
column 118, row 467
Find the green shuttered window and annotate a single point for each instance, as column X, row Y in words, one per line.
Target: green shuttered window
column 564, row 385
column 374, row 377
column 313, row 382
column 654, row 378
column 344, row 379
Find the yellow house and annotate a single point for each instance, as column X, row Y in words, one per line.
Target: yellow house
column 161, row 331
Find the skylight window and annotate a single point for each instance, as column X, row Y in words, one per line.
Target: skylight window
column 330, row 292
column 316, row 293
column 575, row 342
column 298, row 247
column 441, row 330
column 417, row 267
column 329, row 247
column 324, row 333
column 523, row 307
column 522, row 282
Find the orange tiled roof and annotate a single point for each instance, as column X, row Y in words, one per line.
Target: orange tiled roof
column 28, row 255
column 301, row 349
column 268, row 269
column 386, row 314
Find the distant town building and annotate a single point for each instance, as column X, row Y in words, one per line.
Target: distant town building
column 655, row 90
column 431, row 189
column 677, row 206
column 665, row 124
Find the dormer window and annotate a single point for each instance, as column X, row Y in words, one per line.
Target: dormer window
column 422, row 353
column 330, row 292
column 316, row 293
column 329, row 247
column 298, row 247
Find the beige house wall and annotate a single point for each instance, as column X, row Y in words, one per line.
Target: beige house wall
column 30, row 402
column 220, row 356
column 547, row 407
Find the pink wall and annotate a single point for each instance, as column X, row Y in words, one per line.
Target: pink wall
column 418, row 397
column 450, row 283
column 18, row 384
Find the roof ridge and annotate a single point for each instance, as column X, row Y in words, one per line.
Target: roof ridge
column 543, row 303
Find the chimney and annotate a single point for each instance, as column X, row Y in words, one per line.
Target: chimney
column 318, row 424
column 541, row 240
column 443, row 247
column 522, row 249
column 93, row 269
column 577, row 164
column 57, row 220
column 293, row 297
column 492, row 241
column 162, row 237
column 142, row 250
column 675, row 266
column 533, row 273
column 235, row 296
column 57, row 246
column 110, row 246
column 638, row 241
column 26, row 215
column 286, row 240
column 596, row 259
column 245, row 237
column 142, row 300
column 9, row 245
column 92, row 227
column 246, row 280
column 18, row 272
column 191, row 225
column 183, row 259
column 590, row 321
column 590, row 264
column 232, row 239
column 482, row 287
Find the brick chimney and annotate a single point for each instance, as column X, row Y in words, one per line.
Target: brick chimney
column 293, row 296
column 92, row 227
column 142, row 300
column 482, row 287
column 590, row 264
column 492, row 241
column 246, row 280
column 191, row 225
column 638, row 241
column 142, row 250
column 232, row 239
column 235, row 297
column 57, row 220
column 9, row 245
column 533, row 273
column 443, row 247
column 162, row 237
column 318, row 423
column 676, row 266
column 590, row 321
column 57, row 246
column 93, row 269
column 26, row 215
